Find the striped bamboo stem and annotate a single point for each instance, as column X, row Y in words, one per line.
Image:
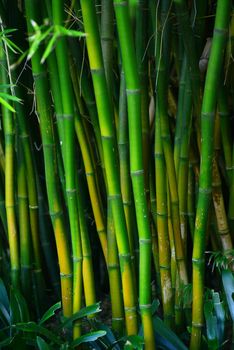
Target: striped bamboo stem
column 105, row 115
column 54, row 199
column 167, row 150
column 24, row 227
column 9, row 136
column 207, row 128
column 114, row 276
column 184, row 160
column 125, row 180
column 69, row 159
column 162, row 222
column 90, row 172
column 136, row 165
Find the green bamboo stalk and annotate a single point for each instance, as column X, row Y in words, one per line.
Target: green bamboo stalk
column 179, row 115
column 105, row 115
column 225, row 129
column 9, row 136
column 89, row 99
column 191, row 200
column 141, row 56
column 218, row 202
column 54, row 199
column 184, row 161
column 24, row 226
column 90, row 172
column 136, row 165
column 2, row 206
column 114, row 276
column 125, row 180
column 217, row 194
column 207, row 128
column 162, row 81
column 107, row 36
column 190, row 51
column 162, row 223
column 69, row 159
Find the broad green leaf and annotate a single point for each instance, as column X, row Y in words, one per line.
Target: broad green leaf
column 134, row 342
column 6, row 342
column 50, row 312
column 18, row 306
column 5, row 313
column 3, row 295
column 42, row 345
column 220, row 314
column 33, row 327
column 211, row 326
column 86, row 311
column 97, row 325
column 166, row 337
column 228, row 285
column 89, row 337
column 6, row 104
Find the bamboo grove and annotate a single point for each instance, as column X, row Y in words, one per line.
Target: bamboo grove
column 117, row 159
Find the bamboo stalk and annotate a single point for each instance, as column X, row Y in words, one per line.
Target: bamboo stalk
column 207, row 128
column 9, row 136
column 54, row 199
column 105, row 115
column 136, row 166
column 69, row 159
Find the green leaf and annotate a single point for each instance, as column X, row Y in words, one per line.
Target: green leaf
column 49, row 47
column 6, row 342
column 220, row 314
column 86, row 311
column 69, row 32
column 10, row 97
column 18, row 307
column 6, row 104
column 34, row 328
column 12, row 46
column 6, row 316
column 3, row 295
column 134, row 342
column 50, row 312
column 89, row 337
column 42, row 345
column 166, row 336
column 211, row 326
column 228, row 285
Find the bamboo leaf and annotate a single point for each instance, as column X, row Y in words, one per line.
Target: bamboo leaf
column 69, row 32
column 49, row 47
column 18, row 307
column 86, row 311
column 6, row 104
column 41, row 343
column 166, row 337
column 211, row 325
column 10, row 97
column 134, row 342
column 5, row 313
column 32, row 327
column 89, row 337
column 49, row 313
column 3, row 295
